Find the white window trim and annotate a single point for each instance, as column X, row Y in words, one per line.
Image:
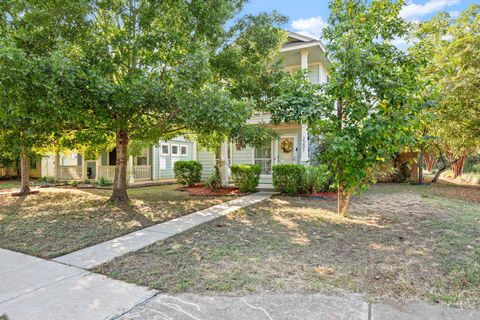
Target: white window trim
column 161, row 149
column 171, row 149
column 186, row 152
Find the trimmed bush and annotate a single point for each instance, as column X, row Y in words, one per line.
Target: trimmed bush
column 317, row 179
column 214, row 181
column 289, row 178
column 246, row 176
column 188, row 173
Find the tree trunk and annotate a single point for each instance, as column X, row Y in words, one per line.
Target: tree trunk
column 458, row 166
column 343, row 200
column 24, row 174
column 420, row 167
column 430, row 161
column 445, row 167
column 119, row 194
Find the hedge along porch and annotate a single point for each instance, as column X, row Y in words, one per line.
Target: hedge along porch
column 291, row 147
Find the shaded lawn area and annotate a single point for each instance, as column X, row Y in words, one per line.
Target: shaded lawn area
column 58, row 221
column 9, row 184
column 401, row 242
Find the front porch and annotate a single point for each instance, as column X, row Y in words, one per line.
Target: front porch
column 291, row 147
column 81, row 173
column 73, row 167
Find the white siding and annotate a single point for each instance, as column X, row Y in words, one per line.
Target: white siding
column 164, row 163
column 243, row 156
column 323, row 76
column 313, row 73
column 207, row 159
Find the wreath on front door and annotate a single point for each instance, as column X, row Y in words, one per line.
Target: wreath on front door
column 287, row 146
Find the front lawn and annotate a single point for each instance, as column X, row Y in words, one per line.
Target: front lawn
column 5, row 185
column 57, row 221
column 401, row 242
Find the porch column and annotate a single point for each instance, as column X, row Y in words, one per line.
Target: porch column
column 194, row 150
column 56, row 167
column 84, row 168
column 131, row 174
column 304, row 145
column 304, row 62
column 225, row 165
column 275, row 151
column 304, row 133
column 98, row 163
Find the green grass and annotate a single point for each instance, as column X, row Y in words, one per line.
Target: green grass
column 58, row 221
column 401, row 242
column 9, row 184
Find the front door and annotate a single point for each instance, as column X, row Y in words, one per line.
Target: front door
column 92, row 170
column 286, row 152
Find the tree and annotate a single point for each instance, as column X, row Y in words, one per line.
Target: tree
column 156, row 69
column 364, row 112
column 34, row 76
column 450, row 72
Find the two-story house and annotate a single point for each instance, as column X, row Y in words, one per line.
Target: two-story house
column 156, row 162
column 292, row 146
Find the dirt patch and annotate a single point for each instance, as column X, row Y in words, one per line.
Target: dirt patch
column 401, row 242
column 200, row 190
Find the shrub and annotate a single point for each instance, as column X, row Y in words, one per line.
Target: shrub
column 46, row 180
column 187, row 173
column 214, row 181
column 102, row 182
column 246, row 176
column 74, row 183
column 289, row 178
column 317, row 179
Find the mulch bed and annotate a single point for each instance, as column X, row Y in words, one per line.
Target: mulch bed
column 323, row 195
column 200, row 190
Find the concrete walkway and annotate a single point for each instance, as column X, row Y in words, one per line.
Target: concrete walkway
column 34, row 288
column 103, row 252
column 287, row 307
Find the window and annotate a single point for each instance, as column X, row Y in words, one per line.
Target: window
column 175, row 150
column 183, row 150
column 263, row 157
column 164, row 149
column 112, row 157
column 33, row 163
column 142, row 159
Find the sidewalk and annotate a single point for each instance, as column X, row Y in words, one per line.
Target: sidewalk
column 32, row 288
column 288, row 307
column 103, row 252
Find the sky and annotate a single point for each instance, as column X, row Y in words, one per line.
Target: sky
column 309, row 17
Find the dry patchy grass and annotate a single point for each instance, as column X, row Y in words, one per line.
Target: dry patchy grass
column 401, row 242
column 57, row 221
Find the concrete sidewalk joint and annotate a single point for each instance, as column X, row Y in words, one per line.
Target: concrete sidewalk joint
column 103, row 252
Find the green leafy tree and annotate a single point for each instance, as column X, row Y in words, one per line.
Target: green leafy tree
column 35, row 78
column 450, row 48
column 157, row 69
column 364, row 113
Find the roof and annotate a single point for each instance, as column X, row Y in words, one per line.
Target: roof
column 298, row 41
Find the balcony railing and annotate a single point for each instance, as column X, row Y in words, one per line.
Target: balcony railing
column 139, row 172
column 106, row 172
column 142, row 172
column 67, row 173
